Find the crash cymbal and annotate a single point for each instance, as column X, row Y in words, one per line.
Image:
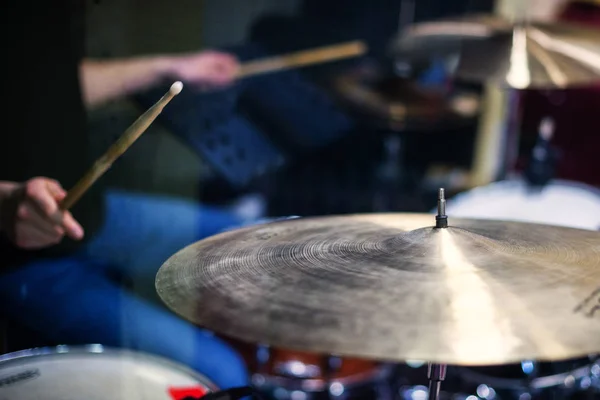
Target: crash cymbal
column 521, row 55
column 397, row 103
column 394, row 287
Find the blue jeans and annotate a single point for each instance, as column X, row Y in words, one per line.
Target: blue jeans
column 73, row 301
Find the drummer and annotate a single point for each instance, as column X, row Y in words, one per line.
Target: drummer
column 55, row 277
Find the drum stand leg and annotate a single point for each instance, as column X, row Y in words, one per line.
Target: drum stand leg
column 436, row 373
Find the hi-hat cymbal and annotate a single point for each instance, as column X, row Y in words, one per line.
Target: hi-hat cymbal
column 393, row 287
column 521, row 55
column 396, row 103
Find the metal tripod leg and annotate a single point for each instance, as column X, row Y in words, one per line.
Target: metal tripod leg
column 436, row 373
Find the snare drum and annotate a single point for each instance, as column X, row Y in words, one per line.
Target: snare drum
column 286, row 374
column 562, row 203
column 96, row 373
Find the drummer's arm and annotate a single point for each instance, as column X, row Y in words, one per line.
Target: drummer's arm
column 105, row 80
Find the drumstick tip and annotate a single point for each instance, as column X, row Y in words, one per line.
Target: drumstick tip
column 362, row 47
column 176, row 88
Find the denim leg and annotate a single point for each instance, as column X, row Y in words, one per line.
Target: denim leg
column 71, row 301
column 142, row 231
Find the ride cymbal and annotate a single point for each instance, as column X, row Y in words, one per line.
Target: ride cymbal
column 522, row 55
column 393, row 287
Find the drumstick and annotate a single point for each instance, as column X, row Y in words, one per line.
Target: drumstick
column 302, row 58
column 119, row 147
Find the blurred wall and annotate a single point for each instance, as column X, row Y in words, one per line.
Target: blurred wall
column 119, row 28
column 227, row 22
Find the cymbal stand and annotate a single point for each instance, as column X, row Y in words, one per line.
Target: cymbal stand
column 436, row 373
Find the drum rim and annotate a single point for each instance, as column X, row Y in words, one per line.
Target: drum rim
column 9, row 359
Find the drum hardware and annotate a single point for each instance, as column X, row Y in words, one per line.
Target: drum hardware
column 436, row 373
column 573, row 142
column 542, row 164
column 536, row 380
column 441, row 219
column 569, row 380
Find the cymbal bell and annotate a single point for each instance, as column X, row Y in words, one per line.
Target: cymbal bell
column 519, row 55
column 392, row 287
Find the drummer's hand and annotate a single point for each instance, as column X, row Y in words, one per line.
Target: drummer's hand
column 32, row 218
column 208, row 68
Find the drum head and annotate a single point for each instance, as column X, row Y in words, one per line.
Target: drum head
column 561, row 203
column 96, row 373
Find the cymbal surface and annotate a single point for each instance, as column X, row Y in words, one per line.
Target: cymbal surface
column 391, row 287
column 519, row 55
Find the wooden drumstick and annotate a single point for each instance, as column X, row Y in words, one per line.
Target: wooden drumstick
column 302, row 58
column 119, row 147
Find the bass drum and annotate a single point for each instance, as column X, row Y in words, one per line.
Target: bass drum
column 562, row 203
column 96, row 373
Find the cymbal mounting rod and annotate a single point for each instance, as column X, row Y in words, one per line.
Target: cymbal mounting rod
column 441, row 219
column 436, row 373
